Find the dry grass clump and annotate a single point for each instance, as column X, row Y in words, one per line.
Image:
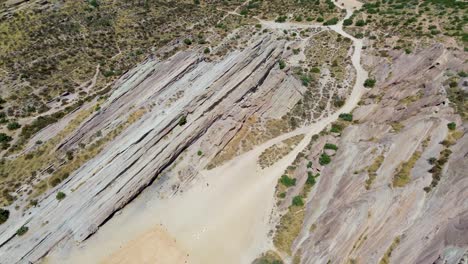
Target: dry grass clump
column 372, row 170
column 403, row 176
column 386, row 257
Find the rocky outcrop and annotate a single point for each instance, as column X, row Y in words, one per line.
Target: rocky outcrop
column 404, row 118
column 215, row 98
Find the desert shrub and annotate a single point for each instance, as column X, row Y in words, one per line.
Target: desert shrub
column 452, row 126
column 330, row 146
column 310, row 179
column 281, row 64
column 297, row 201
column 22, row 230
column 206, row 51
column 281, row 19
column 13, row 125
column 5, row 138
column 4, row 214
column 315, row 70
column 182, row 121
column 336, row 128
column 199, row 153
column 324, row 159
column 287, row 181
column 60, row 196
column 346, row 117
column 187, row 41
column 320, row 19
column 369, row 83
column 348, row 22
column 332, row 21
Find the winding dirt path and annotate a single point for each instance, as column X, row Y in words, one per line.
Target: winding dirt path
column 225, row 217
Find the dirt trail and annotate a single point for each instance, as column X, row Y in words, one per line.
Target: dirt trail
column 223, row 218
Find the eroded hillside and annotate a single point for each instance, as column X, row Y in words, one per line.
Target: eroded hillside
column 233, row 132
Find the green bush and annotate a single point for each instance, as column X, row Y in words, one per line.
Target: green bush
column 60, row 196
column 13, row 125
column 320, row 19
column 22, row 230
column 310, row 179
column 281, row 19
column 286, row 181
column 5, row 138
column 182, row 121
column 336, row 128
column 330, row 146
column 315, row 70
column 332, row 21
column 452, row 126
column 297, row 201
column 206, row 51
column 309, row 164
column 369, row 83
column 346, row 117
column 348, row 22
column 4, row 214
column 281, row 64
column 324, row 159
column 199, row 153
column 188, row 41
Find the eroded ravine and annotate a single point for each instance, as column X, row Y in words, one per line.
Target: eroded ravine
column 224, row 217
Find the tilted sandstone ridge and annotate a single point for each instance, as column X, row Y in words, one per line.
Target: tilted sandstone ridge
column 396, row 190
column 187, row 104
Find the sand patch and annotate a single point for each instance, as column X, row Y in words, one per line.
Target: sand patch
column 155, row 246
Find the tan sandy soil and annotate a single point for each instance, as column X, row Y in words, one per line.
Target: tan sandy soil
column 155, row 246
